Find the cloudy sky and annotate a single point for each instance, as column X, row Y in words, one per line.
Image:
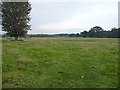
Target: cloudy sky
column 72, row 16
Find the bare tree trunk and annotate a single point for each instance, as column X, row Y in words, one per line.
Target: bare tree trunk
column 16, row 38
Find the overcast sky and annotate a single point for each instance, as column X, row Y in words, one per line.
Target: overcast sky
column 72, row 16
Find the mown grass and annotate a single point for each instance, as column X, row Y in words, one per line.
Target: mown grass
column 60, row 63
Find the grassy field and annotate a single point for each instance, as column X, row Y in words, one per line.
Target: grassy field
column 60, row 63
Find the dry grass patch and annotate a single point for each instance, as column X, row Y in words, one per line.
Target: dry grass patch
column 26, row 61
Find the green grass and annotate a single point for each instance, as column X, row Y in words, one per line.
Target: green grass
column 60, row 63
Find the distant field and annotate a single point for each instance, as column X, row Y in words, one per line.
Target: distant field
column 60, row 63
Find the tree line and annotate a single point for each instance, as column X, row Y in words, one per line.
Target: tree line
column 95, row 32
column 98, row 32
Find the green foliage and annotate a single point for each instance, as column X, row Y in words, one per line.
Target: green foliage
column 15, row 18
column 0, row 7
column 60, row 63
column 98, row 32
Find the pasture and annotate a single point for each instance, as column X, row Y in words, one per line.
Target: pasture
column 60, row 63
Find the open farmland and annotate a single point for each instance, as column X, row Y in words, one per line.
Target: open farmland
column 60, row 63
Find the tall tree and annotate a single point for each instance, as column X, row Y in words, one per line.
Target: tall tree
column 15, row 18
column 96, row 31
column 0, row 13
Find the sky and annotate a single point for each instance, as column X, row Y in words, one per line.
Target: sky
column 72, row 16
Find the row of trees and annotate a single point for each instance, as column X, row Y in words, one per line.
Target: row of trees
column 95, row 32
column 98, row 32
column 54, row 35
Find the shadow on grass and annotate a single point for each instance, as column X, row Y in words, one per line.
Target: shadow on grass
column 17, row 40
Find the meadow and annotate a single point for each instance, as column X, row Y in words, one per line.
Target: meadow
column 60, row 63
